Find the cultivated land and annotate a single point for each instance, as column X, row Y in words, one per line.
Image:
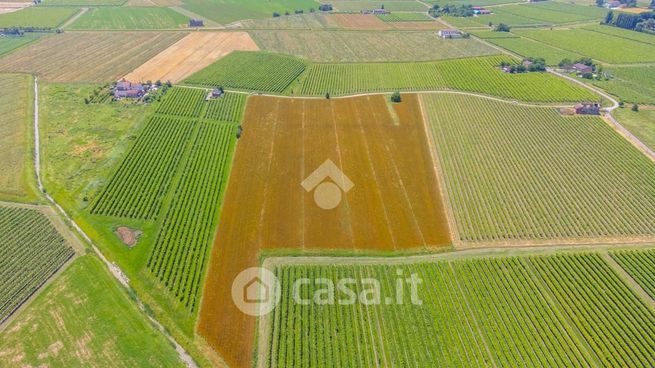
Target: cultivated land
column 293, row 21
column 488, row 312
column 530, row 48
column 85, row 3
column 394, row 206
column 251, row 71
column 482, row 76
column 572, row 178
column 16, row 165
column 88, row 57
column 358, row 5
column 8, row 44
column 130, row 18
column 190, row 54
column 31, row 251
column 84, row 319
column 228, row 11
column 641, row 124
column 368, row 46
column 599, row 46
column 631, row 84
column 358, row 21
column 545, row 13
column 640, row 266
column 37, row 16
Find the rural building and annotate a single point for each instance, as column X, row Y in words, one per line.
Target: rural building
column 587, row 108
column 325, row 7
column 478, row 10
column 196, row 23
column 375, row 11
column 449, row 33
column 215, row 93
column 615, row 5
column 582, row 68
column 125, row 89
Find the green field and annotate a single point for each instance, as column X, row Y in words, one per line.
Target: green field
column 369, row 46
column 37, row 16
column 259, row 71
column 130, row 18
column 31, row 251
column 530, row 48
column 85, row 3
column 393, row 6
column 482, row 76
column 405, row 17
column 641, row 266
column 641, row 124
column 599, row 46
column 545, row 13
column 631, row 84
column 186, row 102
column 9, row 44
column 228, row 109
column 296, row 21
column 16, row 168
column 547, row 311
column 228, row 11
column 84, row 319
column 526, row 173
column 623, row 33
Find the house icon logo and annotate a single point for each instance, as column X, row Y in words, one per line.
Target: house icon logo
column 254, row 291
column 327, row 193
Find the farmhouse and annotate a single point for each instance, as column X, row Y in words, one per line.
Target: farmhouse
column 449, row 33
column 478, row 10
column 215, row 93
column 196, row 23
column 582, row 68
column 587, row 108
column 125, row 89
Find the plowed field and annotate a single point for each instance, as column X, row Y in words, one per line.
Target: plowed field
column 190, row 54
column 395, row 203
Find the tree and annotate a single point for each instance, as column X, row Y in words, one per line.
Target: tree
column 276, row 14
column 395, row 97
column 565, row 62
column 652, row 4
column 600, row 3
column 609, row 17
column 635, row 108
column 327, row 96
column 491, row 24
column 502, row 27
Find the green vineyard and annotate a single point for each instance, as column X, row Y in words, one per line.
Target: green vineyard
column 546, row 311
column 641, row 266
column 229, row 108
column 186, row 102
column 258, row 71
column 482, row 76
column 137, row 188
column 31, row 251
column 181, row 249
column 527, row 173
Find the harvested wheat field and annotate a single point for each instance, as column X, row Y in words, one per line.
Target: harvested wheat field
column 357, row 21
column 10, row 7
column 190, row 54
column 88, row 56
column 395, row 202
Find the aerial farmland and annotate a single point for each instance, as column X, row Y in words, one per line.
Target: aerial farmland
column 316, row 183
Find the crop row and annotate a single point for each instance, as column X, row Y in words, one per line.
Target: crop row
column 549, row 311
column 258, row 71
column 480, row 75
column 641, row 266
column 186, row 102
column 228, row 108
column 31, row 251
column 139, row 185
column 515, row 172
column 179, row 256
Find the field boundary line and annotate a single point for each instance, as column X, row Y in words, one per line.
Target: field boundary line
column 75, row 17
column 118, row 274
column 630, row 282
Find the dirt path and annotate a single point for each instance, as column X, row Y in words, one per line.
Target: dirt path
column 113, row 268
column 634, row 285
column 74, row 17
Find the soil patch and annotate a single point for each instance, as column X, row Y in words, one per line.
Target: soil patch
column 128, row 236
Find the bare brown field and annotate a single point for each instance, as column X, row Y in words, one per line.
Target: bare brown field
column 10, row 7
column 418, row 25
column 357, row 21
column 190, row 54
column 88, row 57
column 395, row 203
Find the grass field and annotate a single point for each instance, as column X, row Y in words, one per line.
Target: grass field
column 191, row 54
column 482, row 76
column 16, row 169
column 395, row 204
column 74, row 323
column 623, row 33
column 32, row 251
column 631, row 84
column 130, row 18
column 37, row 16
column 85, row 3
column 405, row 17
column 488, row 312
column 9, row 44
column 641, row 124
column 530, row 48
column 599, row 46
column 368, row 46
column 259, row 71
column 393, row 6
column 546, row 13
column 571, row 177
column 228, row 11
column 293, row 21
column 104, row 56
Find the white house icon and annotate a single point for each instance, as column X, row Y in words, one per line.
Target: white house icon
column 256, row 291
